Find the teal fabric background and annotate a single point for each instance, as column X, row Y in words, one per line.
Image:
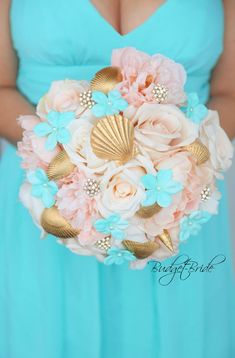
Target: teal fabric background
column 54, row 304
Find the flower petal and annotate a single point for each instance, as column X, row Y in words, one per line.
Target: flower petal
column 42, row 129
column 117, row 234
column 149, row 181
column 101, row 225
column 163, row 199
column 163, row 176
column 37, row 190
column 99, row 110
column 99, row 97
column 51, row 141
column 53, row 118
column 151, row 198
column 63, row 136
column 47, row 199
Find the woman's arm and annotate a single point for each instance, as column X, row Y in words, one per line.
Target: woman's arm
column 223, row 78
column 12, row 103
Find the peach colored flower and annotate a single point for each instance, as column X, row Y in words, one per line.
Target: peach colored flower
column 63, row 96
column 160, row 128
column 77, row 207
column 142, row 72
column 32, row 148
column 218, row 143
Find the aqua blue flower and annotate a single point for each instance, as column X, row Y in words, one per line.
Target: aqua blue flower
column 160, row 188
column 191, row 225
column 118, row 256
column 42, row 187
column 195, row 110
column 109, row 104
column 55, row 129
column 114, row 225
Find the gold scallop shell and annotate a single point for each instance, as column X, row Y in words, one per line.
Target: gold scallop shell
column 166, row 240
column 199, row 152
column 106, row 79
column 60, row 166
column 112, row 138
column 148, row 211
column 141, row 249
column 53, row 223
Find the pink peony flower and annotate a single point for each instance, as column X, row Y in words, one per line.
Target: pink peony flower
column 77, row 207
column 142, row 72
column 63, row 96
column 32, row 148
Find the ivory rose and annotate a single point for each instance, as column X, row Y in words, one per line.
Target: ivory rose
column 142, row 72
column 121, row 189
column 160, row 128
column 218, row 143
column 63, row 96
column 79, row 148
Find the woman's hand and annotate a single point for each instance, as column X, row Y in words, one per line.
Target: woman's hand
column 12, row 103
column 223, row 78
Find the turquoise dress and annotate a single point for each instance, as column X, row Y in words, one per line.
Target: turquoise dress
column 55, row 304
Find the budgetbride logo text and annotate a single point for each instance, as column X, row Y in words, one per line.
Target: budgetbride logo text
column 183, row 267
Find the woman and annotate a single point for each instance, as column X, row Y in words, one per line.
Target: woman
column 53, row 303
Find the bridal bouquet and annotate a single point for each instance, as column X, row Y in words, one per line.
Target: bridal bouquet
column 123, row 167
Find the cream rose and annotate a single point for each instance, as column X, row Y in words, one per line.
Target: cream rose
column 160, row 128
column 218, row 143
column 63, row 96
column 121, row 191
column 79, row 148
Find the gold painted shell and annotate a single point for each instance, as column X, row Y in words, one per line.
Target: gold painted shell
column 60, row 166
column 141, row 249
column 112, row 138
column 166, row 240
column 106, row 79
column 148, row 211
column 53, row 223
column 199, row 152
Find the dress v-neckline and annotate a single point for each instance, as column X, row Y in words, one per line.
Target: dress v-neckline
column 149, row 19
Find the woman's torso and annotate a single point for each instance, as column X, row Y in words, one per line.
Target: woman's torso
column 57, row 39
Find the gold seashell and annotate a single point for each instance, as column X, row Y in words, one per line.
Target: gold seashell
column 199, row 152
column 112, row 138
column 106, row 79
column 141, row 249
column 166, row 240
column 53, row 223
column 148, row 211
column 60, row 166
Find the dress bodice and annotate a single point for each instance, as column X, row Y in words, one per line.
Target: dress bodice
column 60, row 39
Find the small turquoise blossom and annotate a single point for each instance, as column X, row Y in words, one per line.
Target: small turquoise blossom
column 118, row 256
column 160, row 188
column 195, row 110
column 55, row 128
column 191, row 225
column 114, row 225
column 109, row 104
column 42, row 187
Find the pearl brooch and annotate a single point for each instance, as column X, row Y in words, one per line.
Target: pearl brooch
column 104, row 243
column 205, row 194
column 160, row 93
column 91, row 187
column 86, row 100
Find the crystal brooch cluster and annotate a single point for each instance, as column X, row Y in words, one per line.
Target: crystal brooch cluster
column 160, row 93
column 86, row 100
column 91, row 187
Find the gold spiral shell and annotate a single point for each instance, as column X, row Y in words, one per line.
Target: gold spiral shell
column 60, row 166
column 148, row 211
column 199, row 151
column 141, row 249
column 106, row 79
column 53, row 223
column 166, row 240
column 112, row 138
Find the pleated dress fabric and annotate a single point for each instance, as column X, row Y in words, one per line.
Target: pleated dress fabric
column 55, row 304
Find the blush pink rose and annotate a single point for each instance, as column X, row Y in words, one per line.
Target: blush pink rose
column 32, row 148
column 142, row 72
column 77, row 207
column 63, row 96
column 160, row 128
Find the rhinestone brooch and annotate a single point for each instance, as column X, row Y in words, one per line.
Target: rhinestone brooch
column 104, row 243
column 86, row 100
column 160, row 93
column 91, row 187
column 205, row 194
